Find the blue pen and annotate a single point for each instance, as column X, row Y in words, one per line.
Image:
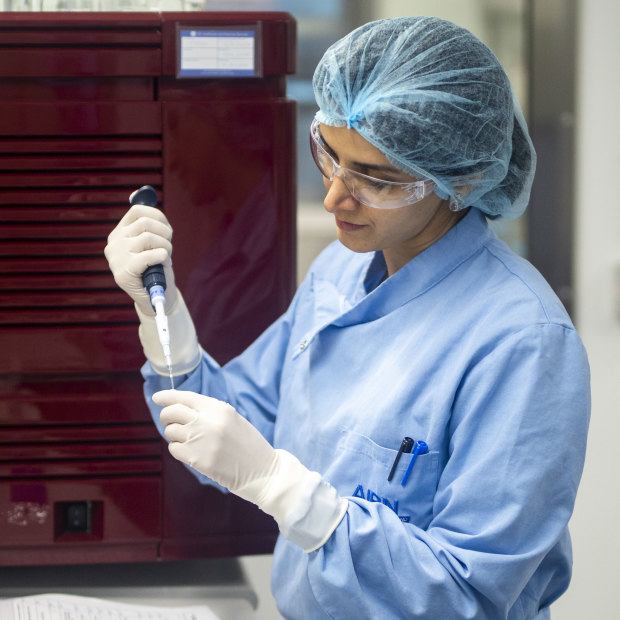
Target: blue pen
column 420, row 447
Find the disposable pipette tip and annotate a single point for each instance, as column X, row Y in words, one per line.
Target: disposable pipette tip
column 169, row 363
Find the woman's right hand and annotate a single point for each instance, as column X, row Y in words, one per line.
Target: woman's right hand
column 142, row 238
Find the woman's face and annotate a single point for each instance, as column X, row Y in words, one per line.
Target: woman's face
column 400, row 233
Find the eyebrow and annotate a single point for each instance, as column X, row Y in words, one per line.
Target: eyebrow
column 377, row 167
column 361, row 164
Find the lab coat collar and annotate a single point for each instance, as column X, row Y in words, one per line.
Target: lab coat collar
column 373, row 298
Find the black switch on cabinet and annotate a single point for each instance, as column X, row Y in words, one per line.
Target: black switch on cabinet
column 77, row 517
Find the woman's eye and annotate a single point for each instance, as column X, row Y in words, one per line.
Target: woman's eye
column 329, row 152
column 377, row 185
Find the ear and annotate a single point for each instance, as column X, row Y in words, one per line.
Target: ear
column 462, row 186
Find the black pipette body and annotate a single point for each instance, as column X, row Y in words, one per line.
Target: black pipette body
column 153, row 275
column 154, row 281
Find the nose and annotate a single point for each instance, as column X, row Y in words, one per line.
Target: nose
column 338, row 197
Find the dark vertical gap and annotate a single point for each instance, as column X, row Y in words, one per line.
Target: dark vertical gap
column 551, row 120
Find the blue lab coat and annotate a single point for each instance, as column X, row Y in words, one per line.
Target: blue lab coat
column 466, row 348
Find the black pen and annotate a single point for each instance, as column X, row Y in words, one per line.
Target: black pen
column 405, row 446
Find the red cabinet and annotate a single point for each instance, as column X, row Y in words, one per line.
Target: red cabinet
column 93, row 106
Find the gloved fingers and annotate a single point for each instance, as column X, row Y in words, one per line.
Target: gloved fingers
column 175, row 432
column 137, row 263
column 177, row 414
column 129, row 256
column 195, row 401
column 138, row 220
column 146, row 226
column 180, row 453
column 147, row 248
column 146, row 240
column 215, row 439
column 119, row 247
column 132, row 266
column 137, row 212
column 144, row 223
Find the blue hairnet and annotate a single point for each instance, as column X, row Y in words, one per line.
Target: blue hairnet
column 437, row 103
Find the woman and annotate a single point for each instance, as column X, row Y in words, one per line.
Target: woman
column 417, row 329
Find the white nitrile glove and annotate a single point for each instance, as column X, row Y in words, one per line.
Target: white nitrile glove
column 210, row 436
column 141, row 239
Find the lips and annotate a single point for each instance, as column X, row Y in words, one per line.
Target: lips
column 348, row 226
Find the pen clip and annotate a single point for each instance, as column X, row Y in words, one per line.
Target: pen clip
column 420, row 448
column 406, row 446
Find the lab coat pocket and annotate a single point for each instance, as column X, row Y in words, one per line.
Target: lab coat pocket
column 364, row 471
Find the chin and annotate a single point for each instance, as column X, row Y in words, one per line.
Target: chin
column 355, row 245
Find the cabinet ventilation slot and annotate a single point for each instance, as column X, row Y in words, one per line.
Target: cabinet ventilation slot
column 52, row 268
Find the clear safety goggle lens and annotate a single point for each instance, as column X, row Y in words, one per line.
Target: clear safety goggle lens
column 368, row 190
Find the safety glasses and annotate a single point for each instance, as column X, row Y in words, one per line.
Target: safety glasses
column 368, row 190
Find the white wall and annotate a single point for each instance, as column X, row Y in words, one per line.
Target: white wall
column 466, row 13
column 595, row 527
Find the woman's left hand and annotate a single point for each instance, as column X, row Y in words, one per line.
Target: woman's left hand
column 210, row 436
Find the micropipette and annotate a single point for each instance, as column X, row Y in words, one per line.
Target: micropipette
column 154, row 282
